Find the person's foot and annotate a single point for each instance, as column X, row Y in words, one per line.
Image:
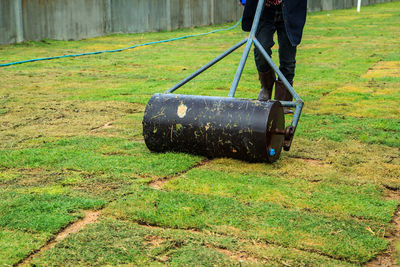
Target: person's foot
column 264, row 95
column 267, row 80
column 283, row 94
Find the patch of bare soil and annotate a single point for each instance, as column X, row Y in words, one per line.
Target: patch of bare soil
column 311, row 161
column 156, row 227
column 387, row 258
column 105, row 126
column 158, row 184
column 90, row 218
column 240, row 256
column 153, row 241
column 314, row 162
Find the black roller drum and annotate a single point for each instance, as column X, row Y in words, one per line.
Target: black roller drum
column 214, row 126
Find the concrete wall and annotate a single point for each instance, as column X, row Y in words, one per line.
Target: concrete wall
column 63, row 19
column 138, row 15
column 11, row 28
column 22, row 20
column 156, row 15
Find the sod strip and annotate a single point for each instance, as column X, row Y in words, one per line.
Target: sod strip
column 16, row 245
column 41, row 212
column 95, row 154
column 343, row 128
column 365, row 201
column 28, row 221
column 348, row 163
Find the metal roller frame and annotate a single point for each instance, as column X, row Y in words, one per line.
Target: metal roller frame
column 249, row 41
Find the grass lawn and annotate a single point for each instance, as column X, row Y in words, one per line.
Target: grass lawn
column 71, row 141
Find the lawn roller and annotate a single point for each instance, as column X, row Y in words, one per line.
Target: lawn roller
column 245, row 129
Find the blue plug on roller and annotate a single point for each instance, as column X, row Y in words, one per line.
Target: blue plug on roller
column 272, row 152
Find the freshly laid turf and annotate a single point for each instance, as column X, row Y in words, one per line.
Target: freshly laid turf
column 111, row 155
column 71, row 141
column 342, row 128
column 27, row 221
column 364, row 201
column 16, row 245
column 122, row 243
column 339, row 238
column 41, row 212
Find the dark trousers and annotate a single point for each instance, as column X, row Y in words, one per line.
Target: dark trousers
column 271, row 21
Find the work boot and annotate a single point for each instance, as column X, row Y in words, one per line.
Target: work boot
column 283, row 94
column 267, row 80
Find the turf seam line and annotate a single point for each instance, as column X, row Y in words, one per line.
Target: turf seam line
column 159, row 183
column 107, row 124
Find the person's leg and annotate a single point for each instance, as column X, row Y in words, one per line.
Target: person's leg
column 287, row 53
column 287, row 62
column 266, row 75
column 264, row 35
